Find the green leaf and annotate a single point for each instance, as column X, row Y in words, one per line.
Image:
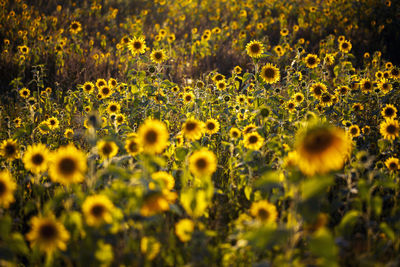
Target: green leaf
column 316, row 186
column 348, row 221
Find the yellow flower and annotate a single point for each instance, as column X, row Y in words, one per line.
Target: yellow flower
column 264, row 211
column 193, row 129
column 392, row 164
column 234, row 133
column 390, row 129
column 212, row 126
column 253, row 140
column 154, row 203
column 53, row 123
column 165, row 178
column 69, row 133
column 7, row 188
column 188, row 97
column 9, row 149
column 366, row 85
column 345, row 46
column 67, row 165
column 101, row 83
column 75, row 27
column 150, row 247
column 158, row 56
column 270, row 73
column 354, row 131
column 311, row 61
column 36, row 158
column 317, row 89
column 113, row 107
column 97, row 210
column 255, row 49
column 153, row 136
column 107, row 149
column 203, row 163
column 105, row 91
column 321, row 148
column 48, row 234
column 132, row 146
column 298, row 97
column 24, row 93
column 184, row 229
column 137, row 45
column 389, row 111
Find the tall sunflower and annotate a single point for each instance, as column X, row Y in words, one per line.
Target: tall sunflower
column 9, row 149
column 167, row 180
column 345, row 46
column 253, row 140
column 137, row 45
column 317, row 89
column 389, row 111
column 158, row 56
column 36, row 158
column 392, row 164
column 321, row 148
column 97, row 210
column 67, row 165
column 48, row 234
column 211, row 126
column 311, row 61
column 107, row 149
column 132, row 146
column 254, row 49
column 113, row 107
column 184, row 229
column 153, row 136
column 264, row 211
column 203, row 163
column 193, row 129
column 390, row 129
column 53, row 123
column 7, row 188
column 270, row 73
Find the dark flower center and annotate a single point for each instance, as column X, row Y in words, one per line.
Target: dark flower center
column 210, row 126
column 191, row 126
column 107, row 149
column 263, row 214
column 393, row 166
column 255, row 48
column 201, row 163
column 137, row 45
column 269, row 73
column 97, row 210
column 3, row 188
column 37, row 159
column 10, row 149
column 389, row 112
column 67, row 166
column 253, row 139
column 151, row 137
column 318, row 142
column 48, row 231
column 311, row 61
column 391, row 129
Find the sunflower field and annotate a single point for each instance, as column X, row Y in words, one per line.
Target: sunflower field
column 199, row 133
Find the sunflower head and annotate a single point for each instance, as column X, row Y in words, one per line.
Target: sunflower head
column 392, row 164
column 253, row 140
column 254, row 49
column 158, row 56
column 202, row 163
column 211, row 126
column 193, row 129
column 107, row 149
column 311, row 61
column 270, row 73
column 7, row 188
column 48, row 234
column 184, row 229
column 389, row 111
column 36, row 158
column 264, row 211
column 390, row 129
column 97, row 210
column 321, row 148
column 137, row 45
column 234, row 133
column 9, row 149
column 153, row 136
column 345, row 46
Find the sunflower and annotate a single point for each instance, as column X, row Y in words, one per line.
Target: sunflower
column 218, row 77
column 75, row 27
column 36, row 158
column 279, row 50
column 211, row 126
column 48, row 234
column 389, row 111
column 221, row 85
column 24, row 93
column 358, row 107
column 249, row 128
column 264, row 211
column 137, row 45
column 154, row 203
column 192, row 129
column 326, row 99
column 202, row 163
column 7, row 188
column 298, row 97
column 311, row 61
column 321, row 148
column 97, row 210
column 53, row 123
column 234, row 133
column 88, row 87
column 317, row 89
column 184, row 229
column 120, row 119
column 342, row 90
column 9, row 149
column 385, row 86
column 237, row 69
column 253, row 140
column 390, row 129
column 255, row 49
column 188, row 97
column 100, row 83
column 158, row 56
column 132, row 146
column 166, row 179
column 113, row 107
column 69, row 133
column 345, row 46
column 105, row 91
column 354, row 131
column 107, row 149
column 23, row 49
column 395, row 73
column 366, row 85
column 112, row 83
column 392, row 164
column 67, row 165
column 241, row 99
column 153, row 136
column 270, row 73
